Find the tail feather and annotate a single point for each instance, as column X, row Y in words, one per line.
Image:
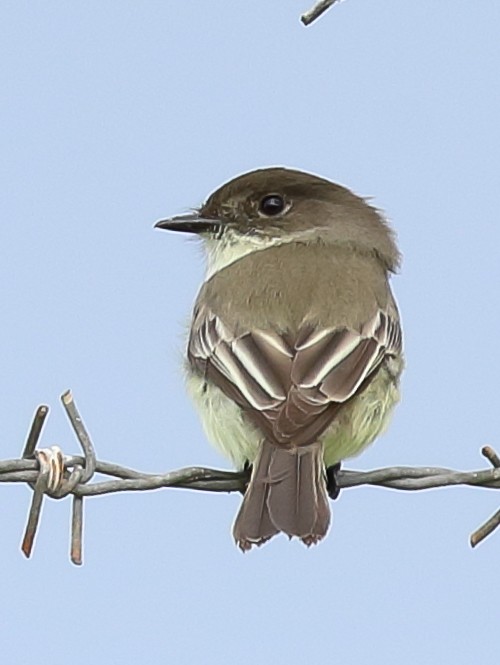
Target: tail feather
column 287, row 492
column 253, row 525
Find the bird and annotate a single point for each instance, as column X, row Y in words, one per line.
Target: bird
column 295, row 348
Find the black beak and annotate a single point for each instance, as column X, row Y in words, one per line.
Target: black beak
column 189, row 223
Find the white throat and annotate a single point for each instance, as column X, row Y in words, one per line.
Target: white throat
column 232, row 246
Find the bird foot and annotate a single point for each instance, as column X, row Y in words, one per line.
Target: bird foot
column 331, row 481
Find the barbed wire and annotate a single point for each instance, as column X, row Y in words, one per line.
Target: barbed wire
column 316, row 11
column 49, row 472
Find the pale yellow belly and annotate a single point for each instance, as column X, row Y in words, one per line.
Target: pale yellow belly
column 359, row 422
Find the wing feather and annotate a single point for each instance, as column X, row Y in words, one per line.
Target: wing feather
column 291, row 387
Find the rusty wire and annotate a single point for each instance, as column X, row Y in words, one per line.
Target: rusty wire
column 49, row 472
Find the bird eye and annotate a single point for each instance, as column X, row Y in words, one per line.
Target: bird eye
column 271, row 205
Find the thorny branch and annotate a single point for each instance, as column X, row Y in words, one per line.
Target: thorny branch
column 49, row 472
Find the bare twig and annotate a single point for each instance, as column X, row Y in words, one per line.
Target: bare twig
column 56, row 475
column 316, row 10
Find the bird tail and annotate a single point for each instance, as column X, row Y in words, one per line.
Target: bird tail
column 287, row 492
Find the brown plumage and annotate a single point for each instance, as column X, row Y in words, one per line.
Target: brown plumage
column 287, row 493
column 295, row 342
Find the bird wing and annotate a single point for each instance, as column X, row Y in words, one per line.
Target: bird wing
column 290, row 386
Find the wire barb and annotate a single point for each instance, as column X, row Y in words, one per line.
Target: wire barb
column 41, row 484
column 493, row 522
column 35, row 431
column 316, row 11
column 49, row 472
column 54, row 477
column 76, row 531
column 81, row 434
column 34, row 515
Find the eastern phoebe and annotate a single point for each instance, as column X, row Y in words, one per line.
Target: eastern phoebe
column 295, row 347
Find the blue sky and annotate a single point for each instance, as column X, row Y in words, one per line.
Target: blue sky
column 115, row 114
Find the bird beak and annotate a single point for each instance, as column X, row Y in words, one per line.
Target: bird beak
column 189, row 223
